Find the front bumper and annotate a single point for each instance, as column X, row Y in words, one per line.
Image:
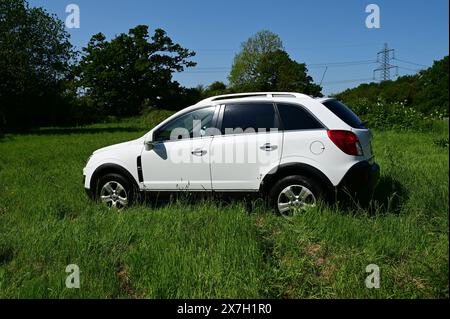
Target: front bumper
column 360, row 181
column 89, row 193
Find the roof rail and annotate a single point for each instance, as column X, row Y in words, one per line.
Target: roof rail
column 254, row 94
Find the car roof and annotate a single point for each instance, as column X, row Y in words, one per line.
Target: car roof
column 256, row 96
column 324, row 99
column 251, row 96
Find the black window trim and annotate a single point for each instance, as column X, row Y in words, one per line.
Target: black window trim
column 324, row 127
column 222, row 112
column 336, row 100
column 214, row 123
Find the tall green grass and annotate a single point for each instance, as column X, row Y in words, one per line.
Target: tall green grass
column 210, row 249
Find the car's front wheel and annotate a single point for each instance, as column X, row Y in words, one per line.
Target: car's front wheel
column 115, row 191
column 294, row 194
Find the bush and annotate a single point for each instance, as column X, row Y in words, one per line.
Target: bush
column 426, row 91
column 383, row 116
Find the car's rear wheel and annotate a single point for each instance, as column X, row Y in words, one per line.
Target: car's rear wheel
column 115, row 191
column 294, row 194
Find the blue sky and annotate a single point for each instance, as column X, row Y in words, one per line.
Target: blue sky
column 318, row 33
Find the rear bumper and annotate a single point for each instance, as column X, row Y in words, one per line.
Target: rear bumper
column 360, row 180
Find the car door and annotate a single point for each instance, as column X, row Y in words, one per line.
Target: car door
column 250, row 145
column 179, row 158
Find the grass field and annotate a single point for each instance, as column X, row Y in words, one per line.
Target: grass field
column 214, row 249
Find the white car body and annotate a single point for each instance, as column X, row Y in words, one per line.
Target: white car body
column 153, row 169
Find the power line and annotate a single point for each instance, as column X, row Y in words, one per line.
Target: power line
column 342, row 46
column 203, row 72
column 383, row 58
column 329, row 64
column 312, row 65
column 409, row 62
column 338, row 65
column 339, row 46
column 348, row 81
column 212, row 68
column 413, row 70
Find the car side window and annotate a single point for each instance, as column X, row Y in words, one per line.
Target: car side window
column 196, row 123
column 249, row 118
column 295, row 117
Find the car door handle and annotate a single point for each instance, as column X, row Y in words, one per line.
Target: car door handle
column 198, row 152
column 268, row 147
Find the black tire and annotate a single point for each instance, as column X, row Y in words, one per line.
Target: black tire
column 313, row 186
column 114, row 179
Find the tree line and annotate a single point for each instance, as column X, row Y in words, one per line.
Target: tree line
column 44, row 81
column 426, row 91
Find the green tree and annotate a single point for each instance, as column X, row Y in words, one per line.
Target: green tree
column 35, row 55
column 434, row 88
column 244, row 69
column 278, row 72
column 215, row 88
column 131, row 71
column 263, row 65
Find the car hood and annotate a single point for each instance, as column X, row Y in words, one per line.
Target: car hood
column 119, row 146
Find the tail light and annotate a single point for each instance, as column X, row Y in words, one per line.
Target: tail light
column 347, row 142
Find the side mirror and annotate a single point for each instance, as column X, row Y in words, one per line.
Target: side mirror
column 149, row 145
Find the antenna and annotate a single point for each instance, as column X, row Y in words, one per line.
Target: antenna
column 323, row 76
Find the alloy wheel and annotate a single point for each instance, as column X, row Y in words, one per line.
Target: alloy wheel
column 295, row 199
column 114, row 195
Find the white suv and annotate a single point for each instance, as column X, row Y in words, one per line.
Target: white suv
column 288, row 147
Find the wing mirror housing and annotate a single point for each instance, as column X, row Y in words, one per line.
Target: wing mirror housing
column 149, row 144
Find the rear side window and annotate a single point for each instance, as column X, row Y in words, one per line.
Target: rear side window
column 344, row 113
column 294, row 117
column 258, row 117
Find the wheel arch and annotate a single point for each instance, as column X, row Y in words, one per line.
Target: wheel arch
column 289, row 169
column 109, row 168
